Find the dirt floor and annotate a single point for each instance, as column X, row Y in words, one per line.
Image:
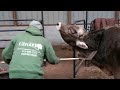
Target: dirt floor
column 64, row 69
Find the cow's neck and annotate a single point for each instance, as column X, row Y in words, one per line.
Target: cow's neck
column 93, row 39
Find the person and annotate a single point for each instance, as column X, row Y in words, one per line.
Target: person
column 26, row 52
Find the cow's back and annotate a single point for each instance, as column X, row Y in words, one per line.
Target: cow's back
column 109, row 49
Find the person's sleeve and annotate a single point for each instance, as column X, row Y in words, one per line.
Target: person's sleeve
column 8, row 52
column 50, row 54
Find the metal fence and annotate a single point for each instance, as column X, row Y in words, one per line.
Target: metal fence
column 52, row 17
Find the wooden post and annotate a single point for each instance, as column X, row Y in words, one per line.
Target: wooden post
column 69, row 17
column 14, row 17
column 117, row 15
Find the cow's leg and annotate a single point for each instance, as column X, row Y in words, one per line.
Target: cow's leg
column 116, row 67
column 116, row 73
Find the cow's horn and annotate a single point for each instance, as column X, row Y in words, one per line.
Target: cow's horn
column 81, row 44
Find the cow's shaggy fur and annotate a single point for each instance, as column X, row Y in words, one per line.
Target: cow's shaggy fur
column 106, row 41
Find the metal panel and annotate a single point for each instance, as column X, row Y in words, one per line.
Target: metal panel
column 28, row 15
column 6, row 15
column 56, row 16
column 65, row 16
column 100, row 14
column 53, row 35
column 45, row 17
column 52, row 17
column 62, row 16
column 78, row 15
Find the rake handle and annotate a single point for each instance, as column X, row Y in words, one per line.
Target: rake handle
column 69, row 58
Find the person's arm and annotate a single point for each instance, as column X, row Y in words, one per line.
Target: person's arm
column 50, row 54
column 8, row 52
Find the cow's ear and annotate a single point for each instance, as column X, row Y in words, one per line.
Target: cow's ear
column 81, row 44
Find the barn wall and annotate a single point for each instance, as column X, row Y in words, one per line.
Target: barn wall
column 6, row 15
column 78, row 15
column 100, row 14
column 28, row 15
column 50, row 17
column 81, row 15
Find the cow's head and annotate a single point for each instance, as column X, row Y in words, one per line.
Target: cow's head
column 74, row 28
column 73, row 31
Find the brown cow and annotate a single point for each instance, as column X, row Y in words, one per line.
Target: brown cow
column 105, row 41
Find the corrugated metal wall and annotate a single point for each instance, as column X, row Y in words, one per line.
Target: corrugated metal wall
column 52, row 17
column 78, row 15
column 81, row 15
column 100, row 14
column 6, row 15
column 28, row 15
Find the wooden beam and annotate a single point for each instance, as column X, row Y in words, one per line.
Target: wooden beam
column 69, row 17
column 117, row 15
column 14, row 17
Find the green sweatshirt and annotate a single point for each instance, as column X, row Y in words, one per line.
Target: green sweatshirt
column 26, row 52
